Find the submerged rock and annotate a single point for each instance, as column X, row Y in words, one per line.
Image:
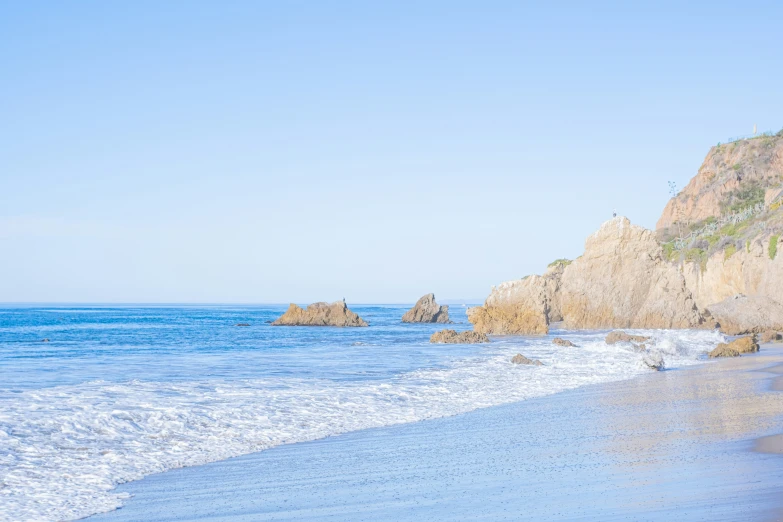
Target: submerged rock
column 242, row 324
column 426, row 310
column 521, row 359
column 320, row 314
column 654, row 361
column 741, row 314
column 452, row 337
column 736, row 347
column 618, row 336
column 562, row 342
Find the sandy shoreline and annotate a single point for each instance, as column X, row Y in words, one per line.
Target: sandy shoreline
column 676, row 444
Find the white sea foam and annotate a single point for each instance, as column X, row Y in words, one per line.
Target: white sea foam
column 64, row 449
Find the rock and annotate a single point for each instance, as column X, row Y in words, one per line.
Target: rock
column 524, row 306
column 320, row 314
column 242, row 324
column 623, row 281
column 426, row 310
column 758, row 161
column 452, row 337
column 741, row 314
column 771, row 337
column 521, row 359
column 618, row 336
column 736, row 347
column 723, row 350
column 654, row 361
column 562, row 342
column 44, row 340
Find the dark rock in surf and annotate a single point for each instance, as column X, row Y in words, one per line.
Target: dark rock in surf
column 521, row 359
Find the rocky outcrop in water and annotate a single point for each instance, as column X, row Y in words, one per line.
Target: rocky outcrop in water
column 771, row 337
column 654, row 361
column 618, row 336
column 521, row 359
column 562, row 342
column 453, row 337
column 320, row 314
column 426, row 310
column 742, row 314
column 524, row 306
column 736, row 347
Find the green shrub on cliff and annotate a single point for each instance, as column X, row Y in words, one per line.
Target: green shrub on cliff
column 743, row 198
column 773, row 246
column 729, row 251
column 694, row 254
column 669, row 253
column 563, row 261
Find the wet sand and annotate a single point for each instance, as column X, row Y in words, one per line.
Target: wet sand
column 701, row 443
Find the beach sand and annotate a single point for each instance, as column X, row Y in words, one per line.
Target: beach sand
column 700, row 443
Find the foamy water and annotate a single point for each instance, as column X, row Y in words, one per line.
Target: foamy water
column 64, row 448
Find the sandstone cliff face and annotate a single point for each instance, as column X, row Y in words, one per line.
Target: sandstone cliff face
column 623, row 281
column 727, row 170
column 743, row 315
column 749, row 271
column 523, row 306
column 426, row 310
column 320, row 314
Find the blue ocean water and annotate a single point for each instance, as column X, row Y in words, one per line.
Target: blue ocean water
column 170, row 343
column 116, row 393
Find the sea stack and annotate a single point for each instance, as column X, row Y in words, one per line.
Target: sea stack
column 426, row 310
column 320, row 314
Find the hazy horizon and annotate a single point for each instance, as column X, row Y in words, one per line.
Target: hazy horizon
column 255, row 153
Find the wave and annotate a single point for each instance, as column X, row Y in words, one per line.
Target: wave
column 64, row 449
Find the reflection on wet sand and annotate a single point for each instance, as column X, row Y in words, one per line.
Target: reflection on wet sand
column 729, row 401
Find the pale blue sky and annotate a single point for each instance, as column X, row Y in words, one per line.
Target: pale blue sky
column 252, row 152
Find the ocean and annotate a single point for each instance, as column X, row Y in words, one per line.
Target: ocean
column 117, row 393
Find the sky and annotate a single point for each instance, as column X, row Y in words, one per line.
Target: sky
column 274, row 152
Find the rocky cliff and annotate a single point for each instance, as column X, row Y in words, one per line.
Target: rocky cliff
column 630, row 277
column 733, row 176
column 621, row 281
column 320, row 314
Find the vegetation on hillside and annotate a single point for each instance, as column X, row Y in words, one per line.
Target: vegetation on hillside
column 562, row 261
